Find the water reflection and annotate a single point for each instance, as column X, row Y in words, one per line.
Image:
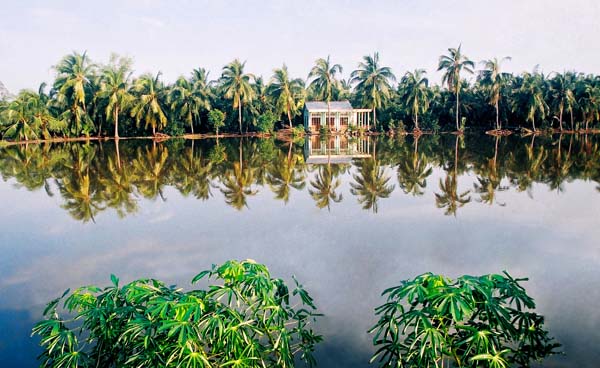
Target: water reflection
column 168, row 209
column 93, row 177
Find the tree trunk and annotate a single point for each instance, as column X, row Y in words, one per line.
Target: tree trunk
column 560, row 116
column 457, row 103
column 374, row 118
column 153, row 129
column 533, row 122
column 191, row 122
column 328, row 114
column 116, row 119
column 240, row 116
column 290, row 119
column 497, row 115
column 417, row 119
column 572, row 122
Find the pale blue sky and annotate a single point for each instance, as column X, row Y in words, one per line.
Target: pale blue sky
column 177, row 36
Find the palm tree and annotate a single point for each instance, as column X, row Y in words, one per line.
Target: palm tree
column 237, row 183
column 371, row 183
column 115, row 88
column 453, row 64
column 414, row 91
column 148, row 106
column 188, row 100
column 74, row 74
column 494, row 79
column 373, row 83
column 323, row 80
column 287, row 93
column 24, row 117
column 561, row 95
column 414, row 171
column 284, row 174
column 530, row 97
column 236, row 86
column 324, row 187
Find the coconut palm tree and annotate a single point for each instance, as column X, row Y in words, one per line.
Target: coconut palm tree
column 283, row 174
column 373, row 83
column 149, row 103
column 72, row 83
column 188, row 100
column 324, row 186
column 413, row 171
column 561, row 95
column 237, row 183
column 530, row 97
column 324, row 81
column 414, row 91
column 371, row 183
column 453, row 64
column 23, row 117
column 236, row 86
column 114, row 88
column 287, row 93
column 494, row 80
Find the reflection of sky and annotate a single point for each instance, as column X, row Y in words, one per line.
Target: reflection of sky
column 345, row 257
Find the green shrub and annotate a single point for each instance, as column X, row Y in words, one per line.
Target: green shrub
column 216, row 118
column 434, row 321
column 174, row 128
column 266, row 122
column 298, row 131
column 247, row 319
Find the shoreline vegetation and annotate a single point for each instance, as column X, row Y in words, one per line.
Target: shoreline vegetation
column 89, row 100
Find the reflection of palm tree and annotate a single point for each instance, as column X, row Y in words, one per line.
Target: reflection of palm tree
column 559, row 168
column 193, row 174
column 371, row 183
column 118, row 188
column 413, row 172
column 82, row 199
column 450, row 199
column 526, row 169
column 489, row 180
column 150, row 171
column 237, row 183
column 325, row 184
column 283, row 174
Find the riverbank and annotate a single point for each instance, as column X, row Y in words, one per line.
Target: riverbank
column 287, row 135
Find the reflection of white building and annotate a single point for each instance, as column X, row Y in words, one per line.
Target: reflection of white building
column 337, row 149
column 337, row 117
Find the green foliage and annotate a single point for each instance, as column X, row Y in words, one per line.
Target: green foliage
column 247, row 319
column 216, row 118
column 434, row 321
column 266, row 122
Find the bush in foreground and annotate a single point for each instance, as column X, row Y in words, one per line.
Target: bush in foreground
column 245, row 320
column 433, row 321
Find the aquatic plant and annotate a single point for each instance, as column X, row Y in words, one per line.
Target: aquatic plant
column 433, row 321
column 246, row 319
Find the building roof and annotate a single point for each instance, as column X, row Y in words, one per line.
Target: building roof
column 333, row 106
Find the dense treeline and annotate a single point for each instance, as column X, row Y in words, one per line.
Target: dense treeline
column 93, row 177
column 89, row 99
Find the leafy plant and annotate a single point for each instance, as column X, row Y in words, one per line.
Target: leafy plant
column 216, row 118
column 266, row 122
column 245, row 320
column 434, row 321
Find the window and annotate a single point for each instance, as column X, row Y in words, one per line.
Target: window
column 315, row 120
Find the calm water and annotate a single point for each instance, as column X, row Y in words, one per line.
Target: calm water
column 348, row 218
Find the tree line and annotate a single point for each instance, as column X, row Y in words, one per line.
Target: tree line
column 94, row 99
column 91, row 178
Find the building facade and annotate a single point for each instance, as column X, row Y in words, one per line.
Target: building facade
column 337, row 117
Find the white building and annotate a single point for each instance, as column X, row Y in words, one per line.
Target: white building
column 336, row 117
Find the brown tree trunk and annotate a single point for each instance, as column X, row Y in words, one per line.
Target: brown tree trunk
column 560, row 116
column 457, row 104
column 497, row 115
column 116, row 119
column 240, row 116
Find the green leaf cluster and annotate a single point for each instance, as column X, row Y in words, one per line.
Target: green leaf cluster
column 485, row 321
column 245, row 318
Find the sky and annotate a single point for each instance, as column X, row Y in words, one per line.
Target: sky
column 175, row 37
